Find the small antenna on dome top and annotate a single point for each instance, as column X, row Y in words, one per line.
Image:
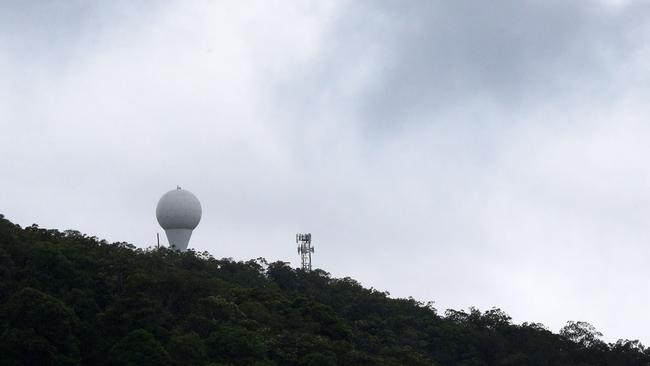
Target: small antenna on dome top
column 178, row 187
column 305, row 249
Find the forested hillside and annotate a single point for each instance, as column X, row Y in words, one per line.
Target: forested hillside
column 70, row 299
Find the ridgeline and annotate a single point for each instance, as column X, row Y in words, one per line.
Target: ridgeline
column 70, row 299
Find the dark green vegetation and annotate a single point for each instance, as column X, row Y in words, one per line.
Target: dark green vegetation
column 68, row 299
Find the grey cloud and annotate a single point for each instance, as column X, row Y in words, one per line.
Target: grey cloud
column 433, row 56
column 52, row 34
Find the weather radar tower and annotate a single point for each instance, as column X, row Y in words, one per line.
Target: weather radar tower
column 305, row 249
column 178, row 212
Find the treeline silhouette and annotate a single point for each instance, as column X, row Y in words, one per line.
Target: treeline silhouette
column 70, row 299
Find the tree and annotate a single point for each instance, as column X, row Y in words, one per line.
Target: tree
column 138, row 348
column 6, row 272
column 235, row 344
column 40, row 329
column 581, row 333
column 68, row 299
column 187, row 349
column 318, row 359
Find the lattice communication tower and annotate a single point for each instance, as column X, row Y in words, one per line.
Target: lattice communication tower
column 305, row 249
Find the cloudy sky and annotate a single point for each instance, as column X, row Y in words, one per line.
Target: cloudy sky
column 471, row 153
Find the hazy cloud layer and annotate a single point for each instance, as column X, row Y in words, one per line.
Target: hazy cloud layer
column 467, row 153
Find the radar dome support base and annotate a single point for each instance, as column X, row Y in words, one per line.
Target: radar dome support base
column 178, row 238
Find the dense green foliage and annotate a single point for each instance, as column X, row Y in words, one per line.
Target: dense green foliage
column 68, row 299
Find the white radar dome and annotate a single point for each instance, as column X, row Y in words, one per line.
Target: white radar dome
column 178, row 212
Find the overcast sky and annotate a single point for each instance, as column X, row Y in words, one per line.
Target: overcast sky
column 473, row 153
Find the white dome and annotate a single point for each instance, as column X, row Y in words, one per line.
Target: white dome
column 178, row 209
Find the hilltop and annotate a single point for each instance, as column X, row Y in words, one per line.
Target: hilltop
column 70, row 299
